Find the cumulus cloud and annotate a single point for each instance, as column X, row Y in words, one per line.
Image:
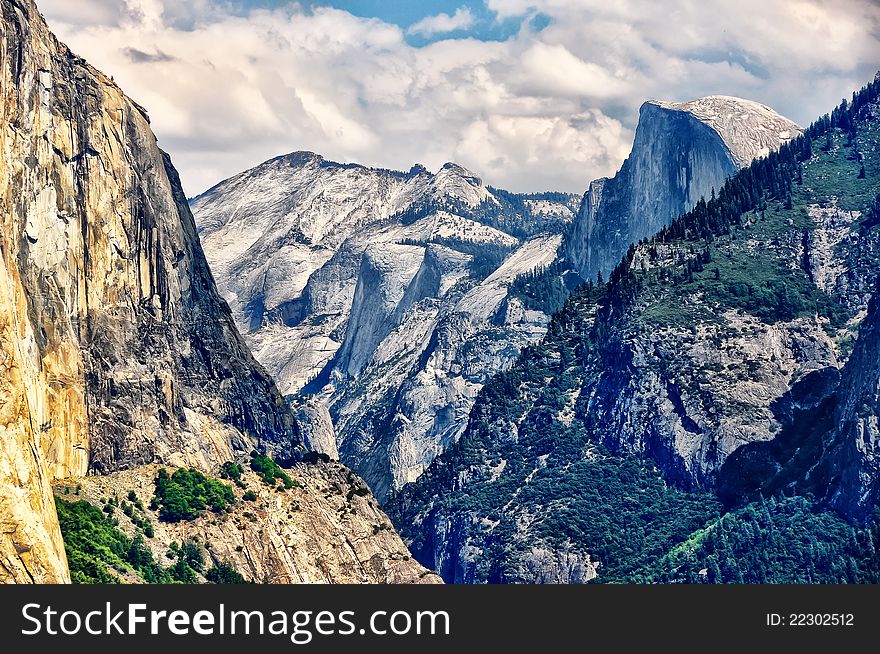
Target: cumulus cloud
column 228, row 87
column 139, row 56
column 462, row 19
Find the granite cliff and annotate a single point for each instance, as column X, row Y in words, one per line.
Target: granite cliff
column 117, row 350
column 681, row 152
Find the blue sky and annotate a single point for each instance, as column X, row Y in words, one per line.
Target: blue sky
column 404, row 13
column 529, row 94
column 486, row 26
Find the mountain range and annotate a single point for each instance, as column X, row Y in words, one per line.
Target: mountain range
column 707, row 414
column 378, row 298
column 673, row 378
column 382, row 301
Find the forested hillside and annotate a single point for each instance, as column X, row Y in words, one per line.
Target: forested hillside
column 597, row 456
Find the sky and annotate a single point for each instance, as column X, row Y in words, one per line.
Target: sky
column 531, row 95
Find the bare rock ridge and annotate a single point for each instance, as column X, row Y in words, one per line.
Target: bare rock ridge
column 380, row 299
column 116, row 350
column 681, row 153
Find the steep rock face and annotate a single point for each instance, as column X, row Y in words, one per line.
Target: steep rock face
column 381, row 295
column 385, row 275
column 694, row 398
column 828, row 447
column 853, row 456
column 413, row 399
column 117, row 350
column 316, row 423
column 681, row 152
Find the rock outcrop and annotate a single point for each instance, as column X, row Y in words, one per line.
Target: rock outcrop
column 117, row 350
column 326, row 529
column 828, row 446
column 681, row 153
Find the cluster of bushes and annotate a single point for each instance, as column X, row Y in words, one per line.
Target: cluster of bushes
column 189, row 559
column 269, row 471
column 94, row 545
column 184, row 494
column 232, row 471
column 135, row 512
column 223, row 573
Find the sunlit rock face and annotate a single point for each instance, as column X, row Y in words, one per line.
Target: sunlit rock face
column 116, row 350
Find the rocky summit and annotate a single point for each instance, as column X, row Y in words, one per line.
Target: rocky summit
column 380, row 300
column 681, row 152
column 116, row 350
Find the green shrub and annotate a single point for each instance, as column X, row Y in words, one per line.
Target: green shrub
column 223, row 573
column 93, row 545
column 186, row 493
column 191, row 553
column 182, row 573
column 233, row 471
column 269, row 471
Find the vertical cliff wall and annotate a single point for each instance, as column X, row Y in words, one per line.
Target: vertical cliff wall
column 116, row 350
column 854, row 460
column 681, row 152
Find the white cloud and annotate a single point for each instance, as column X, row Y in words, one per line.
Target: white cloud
column 545, row 109
column 462, row 19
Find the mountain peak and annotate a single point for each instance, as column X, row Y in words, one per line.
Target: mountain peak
column 458, row 169
column 453, row 180
column 301, row 157
column 749, row 129
column 703, row 141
